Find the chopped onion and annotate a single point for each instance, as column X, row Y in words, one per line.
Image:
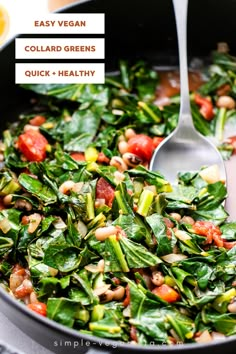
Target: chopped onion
column 182, row 235
column 96, row 268
column 127, row 311
column 173, row 257
column 204, row 337
column 93, row 268
column 59, row 224
column 218, row 336
column 101, row 290
column 82, row 228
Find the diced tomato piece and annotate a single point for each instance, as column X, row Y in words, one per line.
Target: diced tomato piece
column 169, row 225
column 206, row 106
column 102, row 158
column 167, row 293
column 33, row 145
column 22, row 291
column 133, row 334
column 25, row 220
column 210, row 230
column 232, row 141
column 126, row 301
column 37, row 121
column 38, row 307
column 18, row 269
column 78, row 156
column 105, row 191
column 229, row 244
column 157, row 140
column 142, row 146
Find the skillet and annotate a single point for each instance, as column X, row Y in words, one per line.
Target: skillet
column 134, row 29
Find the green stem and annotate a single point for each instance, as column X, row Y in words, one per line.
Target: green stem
column 220, row 123
column 118, row 252
column 122, row 203
column 149, row 111
column 145, row 202
column 90, row 206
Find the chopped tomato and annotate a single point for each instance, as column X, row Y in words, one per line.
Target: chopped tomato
column 169, row 225
column 206, row 106
column 157, row 140
column 37, row 121
column 18, row 270
column 102, row 158
column 126, row 301
column 133, row 334
column 142, row 146
column 232, row 141
column 22, row 291
column 25, row 220
column 105, row 191
column 78, row 156
column 229, row 244
column 210, row 230
column 167, row 293
column 33, row 145
column 38, row 307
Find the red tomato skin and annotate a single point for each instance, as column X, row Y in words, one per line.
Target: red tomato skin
column 126, row 301
column 37, row 121
column 105, row 191
column 232, row 141
column 38, row 307
column 210, row 230
column 102, row 158
column 133, row 334
column 33, row 145
column 206, row 106
column 142, row 146
column 157, row 140
column 167, row 293
column 229, row 244
column 78, row 156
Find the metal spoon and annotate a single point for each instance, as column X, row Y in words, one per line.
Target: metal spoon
column 185, row 149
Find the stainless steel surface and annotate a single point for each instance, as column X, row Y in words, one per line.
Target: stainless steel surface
column 184, row 149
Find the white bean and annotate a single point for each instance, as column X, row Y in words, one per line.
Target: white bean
column 129, row 133
column 104, row 232
column 226, row 102
column 175, row 216
column 118, row 293
column 157, row 278
column 123, row 147
column 131, row 160
column 34, row 221
column 66, row 186
column 187, row 220
column 232, row 307
column 118, row 162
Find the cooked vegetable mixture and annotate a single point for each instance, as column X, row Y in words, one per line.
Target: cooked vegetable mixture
column 92, row 239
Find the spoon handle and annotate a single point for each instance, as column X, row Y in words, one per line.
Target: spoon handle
column 181, row 10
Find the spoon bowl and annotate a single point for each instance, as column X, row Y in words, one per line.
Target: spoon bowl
column 185, row 149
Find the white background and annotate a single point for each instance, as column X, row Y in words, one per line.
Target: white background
column 21, row 43
column 22, row 78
